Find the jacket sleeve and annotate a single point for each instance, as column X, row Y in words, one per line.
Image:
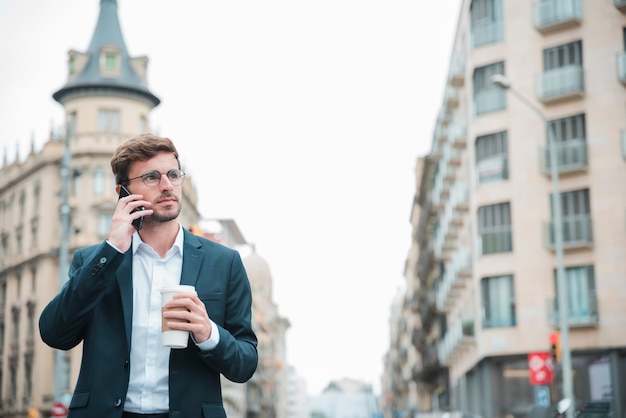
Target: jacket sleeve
column 62, row 321
column 236, row 355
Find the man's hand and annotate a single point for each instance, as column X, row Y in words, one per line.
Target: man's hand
column 121, row 232
column 194, row 317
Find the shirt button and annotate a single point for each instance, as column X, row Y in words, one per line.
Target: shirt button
column 118, row 402
column 103, row 260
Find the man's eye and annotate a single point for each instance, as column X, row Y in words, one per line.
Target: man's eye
column 151, row 176
column 173, row 175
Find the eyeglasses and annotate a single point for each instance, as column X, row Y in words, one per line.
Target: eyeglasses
column 153, row 178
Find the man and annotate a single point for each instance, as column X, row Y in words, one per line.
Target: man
column 112, row 303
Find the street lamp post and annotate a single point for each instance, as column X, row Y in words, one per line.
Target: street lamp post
column 568, row 390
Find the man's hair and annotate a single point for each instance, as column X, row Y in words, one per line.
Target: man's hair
column 139, row 148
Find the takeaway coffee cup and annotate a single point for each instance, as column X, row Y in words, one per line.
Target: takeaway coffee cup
column 173, row 338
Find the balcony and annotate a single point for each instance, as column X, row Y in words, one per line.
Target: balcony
column 458, row 337
column 451, row 98
column 489, row 100
column 621, row 65
column 550, row 15
column 571, row 157
column 583, row 312
column 561, row 84
column 492, row 169
column 457, row 71
column 487, row 33
column 458, row 135
column 430, row 367
column 621, row 5
column 577, row 232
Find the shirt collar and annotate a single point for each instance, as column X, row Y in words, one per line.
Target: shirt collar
column 178, row 242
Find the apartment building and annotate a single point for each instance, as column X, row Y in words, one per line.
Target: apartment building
column 484, row 283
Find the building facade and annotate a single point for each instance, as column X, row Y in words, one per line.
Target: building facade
column 484, row 274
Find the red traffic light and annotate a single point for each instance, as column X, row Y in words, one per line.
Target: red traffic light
column 554, row 338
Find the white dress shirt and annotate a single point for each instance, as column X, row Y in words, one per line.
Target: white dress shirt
column 148, row 389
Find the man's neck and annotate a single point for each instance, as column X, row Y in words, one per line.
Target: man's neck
column 160, row 236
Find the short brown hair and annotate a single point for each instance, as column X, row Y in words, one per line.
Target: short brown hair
column 139, row 148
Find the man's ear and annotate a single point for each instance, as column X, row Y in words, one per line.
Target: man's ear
column 117, row 189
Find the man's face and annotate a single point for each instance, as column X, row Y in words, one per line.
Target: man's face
column 166, row 198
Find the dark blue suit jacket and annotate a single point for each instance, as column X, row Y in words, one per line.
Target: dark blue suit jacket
column 95, row 307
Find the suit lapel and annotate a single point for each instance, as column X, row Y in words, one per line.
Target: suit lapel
column 125, row 282
column 192, row 259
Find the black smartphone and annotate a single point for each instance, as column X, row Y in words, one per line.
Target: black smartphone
column 137, row 223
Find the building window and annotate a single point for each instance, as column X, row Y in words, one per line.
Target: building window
column 582, row 305
column 487, row 22
column 492, row 157
column 104, row 225
column 571, row 142
column 575, row 216
column 34, row 227
column 19, row 239
column 494, row 228
column 110, row 62
column 563, row 56
column 498, row 302
column 487, row 96
column 98, row 181
column 108, row 121
column 563, row 71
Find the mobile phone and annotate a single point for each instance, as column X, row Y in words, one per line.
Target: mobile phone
column 137, row 223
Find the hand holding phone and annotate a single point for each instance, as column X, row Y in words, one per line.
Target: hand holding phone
column 137, row 223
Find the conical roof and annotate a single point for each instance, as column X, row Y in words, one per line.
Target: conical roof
column 90, row 80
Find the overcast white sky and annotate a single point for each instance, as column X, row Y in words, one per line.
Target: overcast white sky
column 310, row 114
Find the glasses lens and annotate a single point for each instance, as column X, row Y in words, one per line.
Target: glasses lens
column 175, row 177
column 151, row 178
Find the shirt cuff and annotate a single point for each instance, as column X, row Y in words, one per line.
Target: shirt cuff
column 213, row 340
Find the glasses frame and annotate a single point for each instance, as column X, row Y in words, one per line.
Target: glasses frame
column 160, row 175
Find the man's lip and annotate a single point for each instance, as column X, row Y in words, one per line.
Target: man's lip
column 166, row 201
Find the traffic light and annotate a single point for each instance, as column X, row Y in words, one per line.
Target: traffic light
column 555, row 346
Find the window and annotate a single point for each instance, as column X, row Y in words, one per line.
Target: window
column 109, row 121
column 104, row 225
column 498, row 302
column 571, row 146
column 98, row 181
column 487, row 22
column 582, row 306
column 576, row 217
column 494, row 228
column 487, row 96
column 492, row 157
column 563, row 56
column 563, row 73
column 110, row 63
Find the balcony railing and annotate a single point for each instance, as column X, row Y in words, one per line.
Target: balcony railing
column 492, row 169
column 561, row 83
column 496, row 242
column 556, row 14
column 621, row 64
column 487, row 33
column 457, row 70
column 489, row 100
column 571, row 156
column 577, row 231
column 457, row 336
column 583, row 312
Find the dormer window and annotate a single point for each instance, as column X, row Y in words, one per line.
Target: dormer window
column 110, row 62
